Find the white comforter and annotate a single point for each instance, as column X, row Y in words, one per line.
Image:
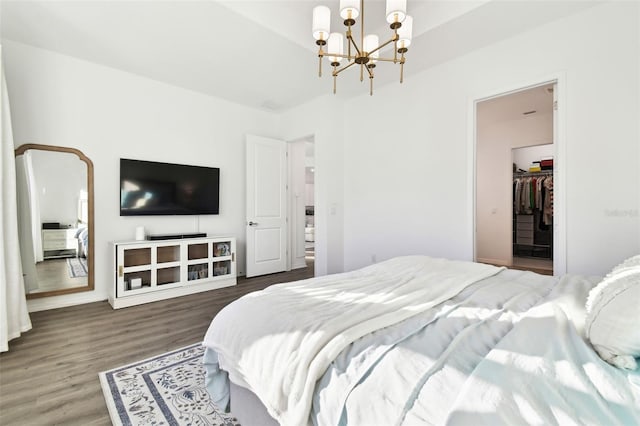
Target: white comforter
column 505, row 351
column 543, row 372
column 278, row 342
column 412, row 372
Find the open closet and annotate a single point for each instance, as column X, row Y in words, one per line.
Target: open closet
column 533, row 206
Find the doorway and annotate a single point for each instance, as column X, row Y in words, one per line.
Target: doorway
column 505, row 124
column 301, row 199
column 310, row 223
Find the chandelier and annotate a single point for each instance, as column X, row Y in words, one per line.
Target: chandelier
column 365, row 51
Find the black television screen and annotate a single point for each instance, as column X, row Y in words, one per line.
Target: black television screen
column 151, row 188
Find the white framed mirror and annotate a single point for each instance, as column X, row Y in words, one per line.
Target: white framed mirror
column 55, row 219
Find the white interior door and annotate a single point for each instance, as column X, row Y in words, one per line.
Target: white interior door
column 266, row 221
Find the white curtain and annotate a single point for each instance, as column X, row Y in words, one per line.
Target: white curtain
column 34, row 207
column 25, row 230
column 14, row 316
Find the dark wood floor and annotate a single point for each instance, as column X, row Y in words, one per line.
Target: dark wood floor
column 50, row 374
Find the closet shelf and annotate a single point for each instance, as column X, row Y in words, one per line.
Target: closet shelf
column 532, row 174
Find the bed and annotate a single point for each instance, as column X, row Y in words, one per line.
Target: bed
column 82, row 235
column 418, row 340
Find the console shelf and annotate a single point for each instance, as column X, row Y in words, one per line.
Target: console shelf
column 146, row 271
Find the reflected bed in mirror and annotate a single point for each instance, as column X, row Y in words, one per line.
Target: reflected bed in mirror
column 55, row 219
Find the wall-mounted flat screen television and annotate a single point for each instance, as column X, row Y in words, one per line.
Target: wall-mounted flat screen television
column 152, row 188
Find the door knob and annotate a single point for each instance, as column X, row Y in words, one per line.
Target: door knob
column 253, row 223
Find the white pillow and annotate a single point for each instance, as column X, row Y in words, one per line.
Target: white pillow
column 612, row 324
column 632, row 262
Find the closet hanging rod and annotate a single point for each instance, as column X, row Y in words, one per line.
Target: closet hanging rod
column 529, row 174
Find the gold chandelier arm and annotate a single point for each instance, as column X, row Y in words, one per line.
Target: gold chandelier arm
column 355, row 46
column 388, row 60
column 395, row 45
column 338, row 55
column 361, row 28
column 336, row 72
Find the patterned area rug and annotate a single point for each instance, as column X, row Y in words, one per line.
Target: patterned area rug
column 77, row 267
column 164, row 390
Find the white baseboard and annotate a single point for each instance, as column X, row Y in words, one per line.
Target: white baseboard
column 55, row 302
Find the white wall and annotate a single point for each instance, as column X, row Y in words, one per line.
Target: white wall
column 494, row 165
column 408, row 187
column 109, row 114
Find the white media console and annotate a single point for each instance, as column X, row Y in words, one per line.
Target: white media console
column 146, row 271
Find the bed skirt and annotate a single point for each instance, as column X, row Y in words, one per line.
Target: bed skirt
column 248, row 409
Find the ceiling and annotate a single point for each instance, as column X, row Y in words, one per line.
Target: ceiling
column 258, row 53
column 519, row 105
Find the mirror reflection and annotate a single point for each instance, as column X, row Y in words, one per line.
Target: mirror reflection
column 55, row 219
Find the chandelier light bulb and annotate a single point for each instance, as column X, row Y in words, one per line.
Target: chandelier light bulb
column 396, row 10
column 321, row 22
column 349, row 9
